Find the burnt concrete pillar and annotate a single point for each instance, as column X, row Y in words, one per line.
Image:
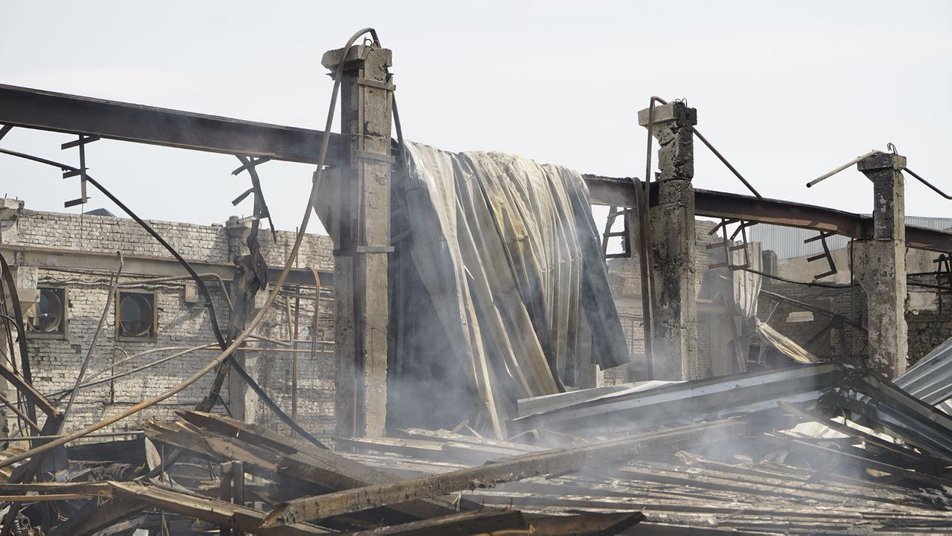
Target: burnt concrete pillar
column 672, row 244
column 238, row 230
column 362, row 233
column 240, row 403
column 879, row 264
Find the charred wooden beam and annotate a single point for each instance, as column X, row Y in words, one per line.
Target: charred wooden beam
column 96, row 516
column 485, row 522
column 223, row 439
column 588, row 524
column 207, row 509
column 511, row 469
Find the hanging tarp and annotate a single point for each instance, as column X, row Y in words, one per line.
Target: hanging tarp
column 506, row 253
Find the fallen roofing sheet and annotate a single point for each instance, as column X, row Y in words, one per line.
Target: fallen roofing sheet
column 930, row 379
column 687, row 401
column 502, row 290
column 744, row 474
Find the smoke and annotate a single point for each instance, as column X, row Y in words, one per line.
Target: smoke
column 486, row 287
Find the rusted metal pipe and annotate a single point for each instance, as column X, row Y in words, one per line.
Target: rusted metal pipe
column 829, row 174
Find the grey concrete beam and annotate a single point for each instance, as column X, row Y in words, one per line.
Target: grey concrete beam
column 143, row 265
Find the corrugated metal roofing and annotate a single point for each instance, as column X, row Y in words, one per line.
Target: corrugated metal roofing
column 930, row 380
column 787, row 242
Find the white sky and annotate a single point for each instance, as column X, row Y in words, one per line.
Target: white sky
column 786, row 90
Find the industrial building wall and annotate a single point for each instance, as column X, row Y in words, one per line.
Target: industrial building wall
column 624, row 276
column 928, row 316
column 182, row 321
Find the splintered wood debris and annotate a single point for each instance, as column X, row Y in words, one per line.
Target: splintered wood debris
column 738, row 475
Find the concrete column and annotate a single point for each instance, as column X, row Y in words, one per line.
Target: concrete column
column 879, row 265
column 239, row 400
column 363, row 241
column 672, row 241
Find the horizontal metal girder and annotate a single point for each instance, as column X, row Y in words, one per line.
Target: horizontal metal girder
column 620, row 192
column 59, row 112
column 46, row 110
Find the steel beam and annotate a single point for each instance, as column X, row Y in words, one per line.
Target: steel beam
column 59, row 112
column 620, row 192
column 521, row 467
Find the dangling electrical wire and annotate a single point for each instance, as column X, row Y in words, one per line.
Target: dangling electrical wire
column 259, row 317
column 92, row 344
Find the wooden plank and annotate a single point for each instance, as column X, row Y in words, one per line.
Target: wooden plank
column 585, row 524
column 96, row 515
column 427, row 449
column 208, row 509
column 297, row 461
column 446, row 435
column 485, row 522
column 516, row 468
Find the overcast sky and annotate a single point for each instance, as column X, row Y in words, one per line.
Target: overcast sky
column 786, row 90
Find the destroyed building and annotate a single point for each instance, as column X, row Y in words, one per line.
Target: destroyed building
column 62, row 264
column 468, row 351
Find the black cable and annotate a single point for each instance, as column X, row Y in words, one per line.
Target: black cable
column 805, row 283
column 188, row 267
column 202, row 288
column 21, row 335
column 272, row 405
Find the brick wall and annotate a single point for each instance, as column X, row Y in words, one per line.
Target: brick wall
column 624, row 277
column 56, row 360
column 928, row 324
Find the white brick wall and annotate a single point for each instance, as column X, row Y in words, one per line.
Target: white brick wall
column 56, row 362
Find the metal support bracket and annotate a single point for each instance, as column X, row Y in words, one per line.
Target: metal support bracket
column 825, row 255
column 943, row 280
column 613, row 214
column 374, row 157
column 375, row 84
column 727, row 243
column 81, row 143
column 373, row 249
column 363, row 250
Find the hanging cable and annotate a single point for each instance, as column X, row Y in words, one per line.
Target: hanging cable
column 265, row 398
column 92, row 344
column 259, row 317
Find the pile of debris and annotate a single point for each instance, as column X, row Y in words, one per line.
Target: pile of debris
column 808, row 449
